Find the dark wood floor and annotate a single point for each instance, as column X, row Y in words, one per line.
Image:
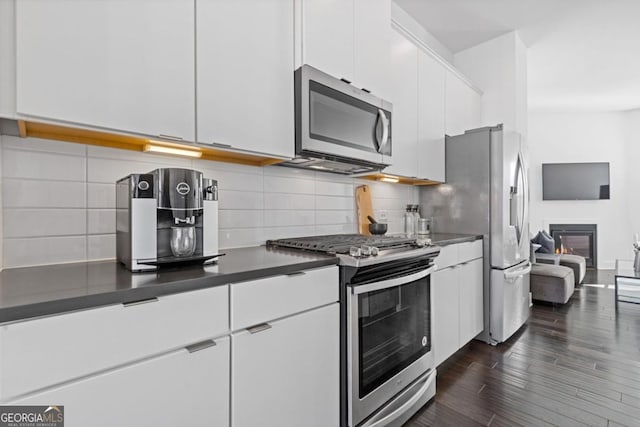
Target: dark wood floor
column 571, row 365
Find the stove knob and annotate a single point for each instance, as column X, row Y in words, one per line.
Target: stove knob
column 355, row 251
column 366, row 250
column 374, row 251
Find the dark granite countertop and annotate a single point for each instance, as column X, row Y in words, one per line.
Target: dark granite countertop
column 37, row 291
column 444, row 239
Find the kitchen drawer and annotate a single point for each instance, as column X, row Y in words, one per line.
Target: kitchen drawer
column 45, row 351
column 448, row 256
column 260, row 301
column 469, row 250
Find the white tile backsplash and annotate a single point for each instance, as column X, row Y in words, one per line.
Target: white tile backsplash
column 101, row 246
column 101, row 195
column 36, row 165
column 101, row 221
column 44, row 250
column 283, row 201
column 335, row 217
column 240, row 200
column 59, row 200
column 328, row 188
column 238, row 218
column 45, row 145
column 23, row 193
column 274, row 218
column 44, row 222
column 279, row 184
column 334, row 203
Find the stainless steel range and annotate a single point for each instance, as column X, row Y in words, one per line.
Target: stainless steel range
column 388, row 370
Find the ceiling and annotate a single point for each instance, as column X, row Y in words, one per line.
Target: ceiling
column 583, row 55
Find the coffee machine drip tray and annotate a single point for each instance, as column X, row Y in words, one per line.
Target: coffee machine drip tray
column 171, row 262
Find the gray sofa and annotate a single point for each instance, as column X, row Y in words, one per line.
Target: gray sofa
column 551, row 283
column 576, row 263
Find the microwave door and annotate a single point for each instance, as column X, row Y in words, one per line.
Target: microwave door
column 337, row 120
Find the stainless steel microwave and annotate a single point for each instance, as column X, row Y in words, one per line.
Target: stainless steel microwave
column 339, row 128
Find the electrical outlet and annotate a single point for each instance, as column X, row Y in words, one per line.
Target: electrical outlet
column 383, row 216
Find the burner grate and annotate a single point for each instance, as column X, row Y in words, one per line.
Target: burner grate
column 340, row 243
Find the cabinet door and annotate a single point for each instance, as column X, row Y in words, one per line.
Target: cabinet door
column 445, row 313
column 118, row 64
column 328, row 36
column 471, row 300
column 288, row 375
column 431, row 105
column 404, row 66
column 177, row 389
column 372, row 33
column 462, row 106
column 245, row 74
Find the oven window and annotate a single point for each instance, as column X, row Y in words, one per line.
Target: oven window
column 394, row 331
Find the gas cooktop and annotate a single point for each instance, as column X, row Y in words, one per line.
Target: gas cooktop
column 357, row 249
column 342, row 243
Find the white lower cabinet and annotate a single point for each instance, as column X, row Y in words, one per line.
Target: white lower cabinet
column 471, row 300
column 457, row 298
column 286, row 372
column 180, row 388
column 445, row 309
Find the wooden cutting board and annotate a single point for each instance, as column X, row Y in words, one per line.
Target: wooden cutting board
column 365, row 208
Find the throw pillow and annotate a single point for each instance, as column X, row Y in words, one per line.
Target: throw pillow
column 546, row 242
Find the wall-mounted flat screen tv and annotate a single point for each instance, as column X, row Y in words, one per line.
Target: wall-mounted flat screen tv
column 575, row 181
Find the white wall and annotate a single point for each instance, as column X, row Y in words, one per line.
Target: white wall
column 632, row 157
column 499, row 68
column 584, row 137
column 59, row 200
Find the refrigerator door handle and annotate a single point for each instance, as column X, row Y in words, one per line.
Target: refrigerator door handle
column 518, row 202
column 520, row 271
column 525, row 192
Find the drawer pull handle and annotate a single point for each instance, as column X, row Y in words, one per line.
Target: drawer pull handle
column 297, row 273
column 200, row 346
column 259, row 328
column 142, row 301
column 220, row 145
column 175, row 138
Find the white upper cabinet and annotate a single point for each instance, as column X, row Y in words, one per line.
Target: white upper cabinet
column 348, row 39
column 463, row 106
column 372, row 35
column 124, row 65
column 431, row 118
column 245, row 74
column 404, row 72
column 328, row 36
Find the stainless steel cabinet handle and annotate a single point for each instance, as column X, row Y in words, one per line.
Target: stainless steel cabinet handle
column 220, row 145
column 259, row 328
column 142, row 301
column 200, row 346
column 176, row 138
column 297, row 273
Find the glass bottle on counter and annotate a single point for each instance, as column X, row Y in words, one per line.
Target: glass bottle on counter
column 409, row 222
column 416, row 217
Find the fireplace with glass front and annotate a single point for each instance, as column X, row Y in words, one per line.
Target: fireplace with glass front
column 576, row 239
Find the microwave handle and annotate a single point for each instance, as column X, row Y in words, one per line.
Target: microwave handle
column 382, row 131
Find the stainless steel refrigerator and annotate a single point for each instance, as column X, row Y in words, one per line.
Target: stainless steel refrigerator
column 486, row 192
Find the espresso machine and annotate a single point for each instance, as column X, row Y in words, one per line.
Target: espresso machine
column 167, row 217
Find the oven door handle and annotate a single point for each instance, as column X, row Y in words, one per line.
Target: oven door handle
column 391, row 283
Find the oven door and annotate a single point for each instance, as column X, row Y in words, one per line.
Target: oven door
column 336, row 119
column 389, row 339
